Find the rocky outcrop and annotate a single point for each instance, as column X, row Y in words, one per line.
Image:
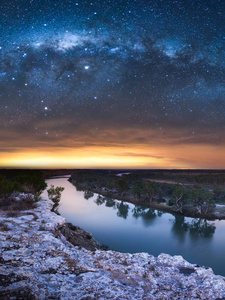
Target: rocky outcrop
column 37, row 262
column 79, row 237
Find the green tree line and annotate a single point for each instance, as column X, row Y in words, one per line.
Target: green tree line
column 198, row 198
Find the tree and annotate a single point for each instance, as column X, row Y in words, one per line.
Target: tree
column 137, row 189
column 31, row 180
column 196, row 198
column 208, row 203
column 218, row 193
column 7, row 186
column 54, row 194
column 149, row 189
column 122, row 185
column 203, row 201
column 178, row 194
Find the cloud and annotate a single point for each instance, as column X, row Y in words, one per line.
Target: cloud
column 133, row 154
column 137, row 75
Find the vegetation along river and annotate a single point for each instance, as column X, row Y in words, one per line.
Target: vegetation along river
column 128, row 228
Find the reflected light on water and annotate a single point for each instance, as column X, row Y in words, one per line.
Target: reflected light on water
column 128, row 228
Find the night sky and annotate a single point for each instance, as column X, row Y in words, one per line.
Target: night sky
column 133, row 84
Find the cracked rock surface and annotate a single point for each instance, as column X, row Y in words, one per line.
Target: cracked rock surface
column 37, row 262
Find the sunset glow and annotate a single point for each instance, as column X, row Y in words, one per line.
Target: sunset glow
column 112, row 84
column 165, row 158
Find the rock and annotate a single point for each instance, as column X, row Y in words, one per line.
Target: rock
column 38, row 260
column 79, row 237
column 186, row 271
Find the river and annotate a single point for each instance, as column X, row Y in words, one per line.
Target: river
column 128, row 228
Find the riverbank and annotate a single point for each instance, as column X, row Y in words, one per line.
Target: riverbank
column 190, row 195
column 218, row 213
column 37, row 262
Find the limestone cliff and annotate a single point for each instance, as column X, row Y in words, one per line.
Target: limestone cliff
column 37, row 262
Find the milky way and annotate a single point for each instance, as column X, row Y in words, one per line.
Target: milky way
column 69, row 68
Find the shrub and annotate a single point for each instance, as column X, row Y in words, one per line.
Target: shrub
column 161, row 200
column 171, row 202
column 21, row 181
column 14, row 203
column 54, row 194
column 32, row 180
column 8, row 187
column 37, row 196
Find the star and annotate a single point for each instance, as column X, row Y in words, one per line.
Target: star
column 150, row 65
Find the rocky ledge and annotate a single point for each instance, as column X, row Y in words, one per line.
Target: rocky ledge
column 38, row 262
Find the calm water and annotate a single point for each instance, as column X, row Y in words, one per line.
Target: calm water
column 128, row 228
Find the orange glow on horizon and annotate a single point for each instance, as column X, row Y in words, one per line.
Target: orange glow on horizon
column 161, row 157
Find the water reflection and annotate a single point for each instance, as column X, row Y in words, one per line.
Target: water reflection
column 197, row 227
column 147, row 214
column 122, row 210
column 129, row 228
column 88, row 195
column 100, row 200
column 110, row 202
column 201, row 227
column 159, row 213
column 180, row 227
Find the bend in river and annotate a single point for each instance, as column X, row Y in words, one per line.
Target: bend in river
column 128, row 228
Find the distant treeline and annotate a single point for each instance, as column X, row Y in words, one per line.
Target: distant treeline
column 107, row 176
column 191, row 193
column 182, row 176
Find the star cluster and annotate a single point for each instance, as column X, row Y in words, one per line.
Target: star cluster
column 88, row 71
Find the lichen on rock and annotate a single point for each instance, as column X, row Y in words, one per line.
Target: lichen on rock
column 38, row 262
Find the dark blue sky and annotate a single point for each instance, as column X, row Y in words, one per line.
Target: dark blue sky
column 68, row 67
